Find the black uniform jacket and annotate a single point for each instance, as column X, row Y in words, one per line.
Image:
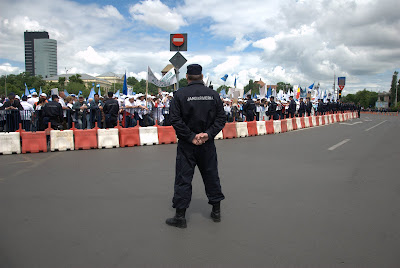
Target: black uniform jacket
column 292, row 106
column 111, row 107
column 53, row 109
column 302, row 107
column 196, row 109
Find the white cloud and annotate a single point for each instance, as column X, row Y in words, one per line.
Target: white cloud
column 7, row 68
column 92, row 57
column 228, row 67
column 155, row 13
column 239, row 44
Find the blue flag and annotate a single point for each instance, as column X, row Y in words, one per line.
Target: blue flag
column 269, row 92
column 116, row 94
column 234, row 84
column 40, row 92
column 125, row 87
column 32, row 90
column 98, row 85
column 26, row 90
column 224, row 77
column 66, row 93
column 312, row 86
column 79, row 93
column 91, row 94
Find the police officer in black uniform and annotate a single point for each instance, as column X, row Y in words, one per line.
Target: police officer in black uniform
column 302, row 108
column 110, row 109
column 292, row 107
column 308, row 106
column 197, row 115
column 53, row 113
column 249, row 109
column 272, row 109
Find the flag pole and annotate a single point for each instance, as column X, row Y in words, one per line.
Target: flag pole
column 147, row 86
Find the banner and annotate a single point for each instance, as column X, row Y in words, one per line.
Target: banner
column 32, row 90
column 167, row 80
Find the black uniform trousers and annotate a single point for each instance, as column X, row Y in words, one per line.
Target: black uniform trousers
column 187, row 157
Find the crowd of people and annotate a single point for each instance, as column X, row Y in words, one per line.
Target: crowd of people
column 35, row 111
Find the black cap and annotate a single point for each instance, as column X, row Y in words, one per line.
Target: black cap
column 194, row 69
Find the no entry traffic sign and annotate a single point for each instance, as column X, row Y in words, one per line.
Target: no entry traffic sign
column 178, row 42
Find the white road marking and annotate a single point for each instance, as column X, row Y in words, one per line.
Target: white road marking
column 339, row 144
column 359, row 122
column 376, row 125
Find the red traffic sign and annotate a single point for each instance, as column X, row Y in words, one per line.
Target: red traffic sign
column 341, row 87
column 178, row 40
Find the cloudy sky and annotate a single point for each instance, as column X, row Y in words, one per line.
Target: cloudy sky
column 295, row 41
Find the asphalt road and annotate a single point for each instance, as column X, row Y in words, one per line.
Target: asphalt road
column 321, row 197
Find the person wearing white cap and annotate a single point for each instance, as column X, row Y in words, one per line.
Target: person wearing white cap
column 142, row 109
column 130, row 106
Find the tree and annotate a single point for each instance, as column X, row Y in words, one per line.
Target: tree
column 76, row 78
column 393, row 88
column 222, row 88
column 255, row 88
column 284, row 86
column 367, row 99
column 61, row 82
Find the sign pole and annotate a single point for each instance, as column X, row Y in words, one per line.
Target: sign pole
column 147, row 86
column 177, row 78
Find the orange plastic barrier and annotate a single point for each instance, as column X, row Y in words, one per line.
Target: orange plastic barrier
column 269, row 125
column 85, row 139
column 229, row 131
column 323, row 119
column 33, row 142
column 310, row 121
column 283, row 126
column 129, row 137
column 317, row 120
column 303, row 122
column 166, row 134
column 294, row 123
column 252, row 128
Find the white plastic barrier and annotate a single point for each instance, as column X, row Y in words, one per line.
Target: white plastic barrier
column 277, row 126
column 241, row 129
column 10, row 143
column 319, row 118
column 107, row 138
column 298, row 123
column 148, row 135
column 261, row 129
column 307, row 122
column 314, row 121
column 289, row 124
column 62, row 140
column 341, row 117
column 334, row 118
column 219, row 136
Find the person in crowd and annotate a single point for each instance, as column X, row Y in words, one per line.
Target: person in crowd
column 302, row 108
column 34, row 99
column 157, row 110
column 321, row 107
column 26, row 114
column 53, row 113
column 142, row 109
column 111, row 109
column 249, row 108
column 80, row 109
column 308, row 106
column 12, row 106
column 272, row 109
column 228, row 110
column 292, row 107
column 197, row 115
column 130, row 106
column 96, row 108
column 167, row 104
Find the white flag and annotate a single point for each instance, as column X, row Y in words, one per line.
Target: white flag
column 167, row 80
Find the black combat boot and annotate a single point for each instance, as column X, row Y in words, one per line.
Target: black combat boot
column 216, row 212
column 178, row 220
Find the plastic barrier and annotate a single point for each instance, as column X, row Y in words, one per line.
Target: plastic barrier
column 61, row 140
column 85, row 139
column 252, row 128
column 294, row 123
column 166, row 134
column 261, row 129
column 337, row 117
column 307, row 121
column 277, row 126
column 219, row 136
column 322, row 120
column 283, row 126
column 148, row 135
column 327, row 119
column 269, row 125
column 300, row 122
column 289, row 125
column 10, row 143
column 241, row 128
column 340, row 117
column 108, row 138
column 313, row 121
column 229, row 131
column 316, row 122
column 33, row 142
column 129, row 137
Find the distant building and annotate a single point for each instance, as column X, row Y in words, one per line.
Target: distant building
column 87, row 79
column 383, row 101
column 40, row 54
column 112, row 77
